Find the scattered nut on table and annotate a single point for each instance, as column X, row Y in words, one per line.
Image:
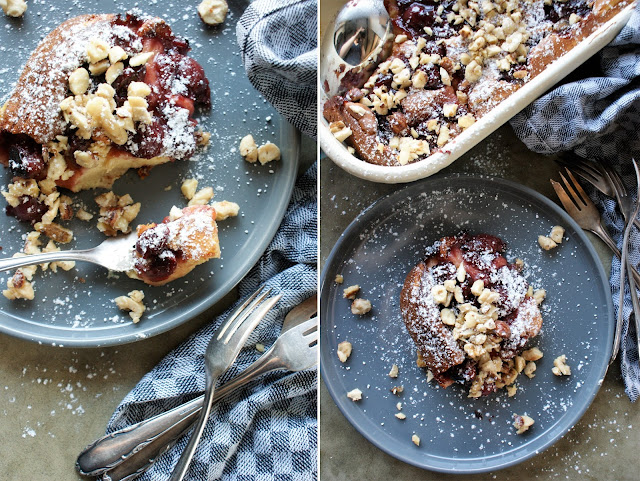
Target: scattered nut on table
column 560, row 366
column 522, row 423
column 213, row 12
column 355, row 395
column 360, row 306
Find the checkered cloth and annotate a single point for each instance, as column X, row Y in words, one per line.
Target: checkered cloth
column 267, row 430
column 599, row 118
column 278, row 41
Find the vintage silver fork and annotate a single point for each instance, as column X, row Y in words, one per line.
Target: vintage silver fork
column 128, row 452
column 592, row 172
column 295, row 350
column 219, row 356
column 582, row 209
column 629, row 209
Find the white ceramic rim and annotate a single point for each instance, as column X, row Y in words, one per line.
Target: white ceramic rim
column 556, row 71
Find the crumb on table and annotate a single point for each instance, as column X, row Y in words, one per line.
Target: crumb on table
column 351, row 291
column 522, row 423
column 339, row 279
column 213, row 12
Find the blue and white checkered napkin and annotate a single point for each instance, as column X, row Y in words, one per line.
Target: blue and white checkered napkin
column 278, row 41
column 599, row 118
column 265, row 431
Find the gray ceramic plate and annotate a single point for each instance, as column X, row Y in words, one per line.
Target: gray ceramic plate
column 459, row 434
column 75, row 312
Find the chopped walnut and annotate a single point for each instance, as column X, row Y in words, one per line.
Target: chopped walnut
column 396, row 390
column 351, row 291
column 355, row 395
column 415, row 439
column 546, row 243
column 340, row 131
column 511, row 390
column 344, row 351
column 268, row 152
column 539, row 295
column 360, row 306
column 248, row 148
column 189, row 188
column 116, row 213
column 530, row 369
column 560, row 366
column 394, row 371
column 532, row 354
column 557, row 233
column 18, row 287
column 13, row 8
column 202, row 197
column 84, row 215
column 132, row 302
column 339, row 279
column 225, row 209
column 55, row 231
column 400, row 416
column 522, row 423
column 213, row 12
column 79, row 81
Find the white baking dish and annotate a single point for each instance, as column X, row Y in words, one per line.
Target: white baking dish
column 330, row 62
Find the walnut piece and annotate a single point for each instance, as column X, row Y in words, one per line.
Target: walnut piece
column 268, row 152
column 546, row 243
column 213, row 12
column 189, row 188
column 116, row 213
column 351, row 291
column 560, row 366
column 522, row 423
column 344, row 351
column 557, row 233
column 355, row 395
column 532, row 354
column 394, row 371
column 360, row 306
column 132, row 302
column 225, row 209
column 415, row 439
column 202, row 197
column 248, row 148
column 339, row 279
column 13, row 8
column 18, row 287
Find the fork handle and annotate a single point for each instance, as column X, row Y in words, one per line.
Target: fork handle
column 606, row 238
column 29, row 260
column 118, row 447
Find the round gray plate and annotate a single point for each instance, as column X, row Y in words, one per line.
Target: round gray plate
column 459, row 434
column 76, row 308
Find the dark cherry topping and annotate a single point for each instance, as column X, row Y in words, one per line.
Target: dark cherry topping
column 156, row 260
column 414, row 16
column 557, row 11
column 149, row 139
column 29, row 210
column 25, row 158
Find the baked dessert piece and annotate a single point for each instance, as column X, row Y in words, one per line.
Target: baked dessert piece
column 469, row 313
column 99, row 95
column 169, row 250
column 451, row 63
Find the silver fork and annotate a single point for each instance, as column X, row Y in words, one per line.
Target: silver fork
column 115, row 254
column 592, row 172
column 219, row 356
column 136, row 447
column 581, row 209
column 295, row 350
column 629, row 209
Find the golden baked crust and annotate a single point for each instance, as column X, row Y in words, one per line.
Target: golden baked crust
column 33, row 108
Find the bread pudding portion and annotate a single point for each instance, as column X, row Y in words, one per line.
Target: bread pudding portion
column 451, row 63
column 469, row 313
column 185, row 239
column 99, row 95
